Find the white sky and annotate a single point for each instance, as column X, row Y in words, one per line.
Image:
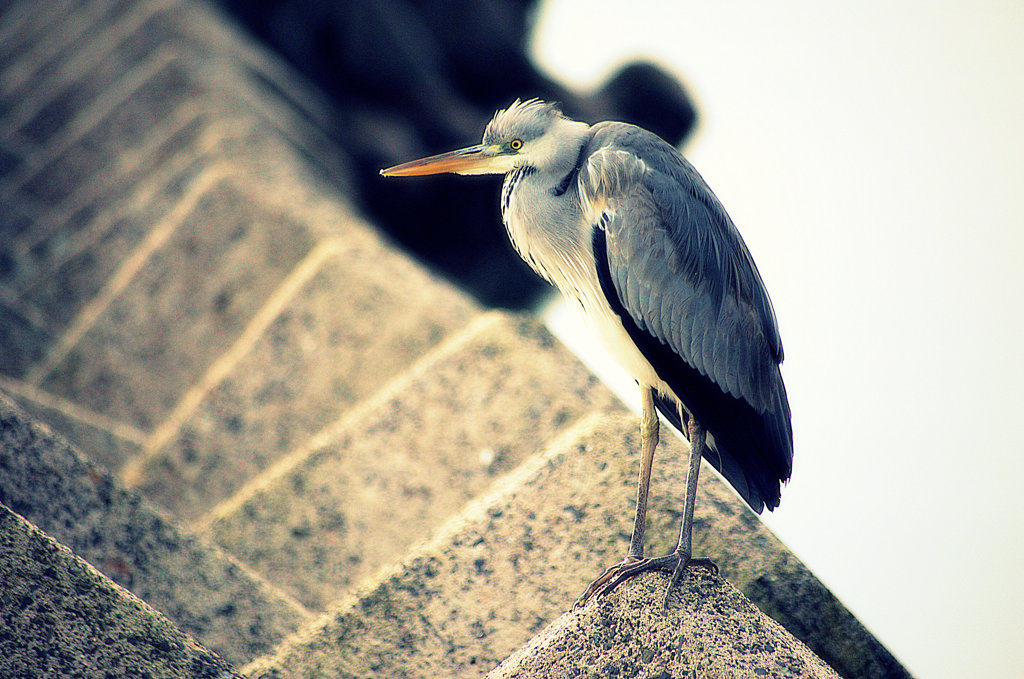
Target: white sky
column 872, row 154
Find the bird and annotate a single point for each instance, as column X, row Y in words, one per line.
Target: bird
column 624, row 226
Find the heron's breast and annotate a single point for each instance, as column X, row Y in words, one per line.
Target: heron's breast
column 608, row 327
column 554, row 237
column 547, row 231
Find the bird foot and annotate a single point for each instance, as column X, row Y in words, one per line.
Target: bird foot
column 630, row 566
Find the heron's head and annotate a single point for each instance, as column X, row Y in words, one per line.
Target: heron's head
column 529, row 132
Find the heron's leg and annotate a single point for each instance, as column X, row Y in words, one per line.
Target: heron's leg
column 649, row 436
column 684, row 546
column 680, row 557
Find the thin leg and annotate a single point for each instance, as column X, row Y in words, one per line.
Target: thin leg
column 680, row 557
column 649, row 437
column 684, row 546
column 698, row 439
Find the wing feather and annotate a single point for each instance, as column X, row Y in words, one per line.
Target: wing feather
column 676, row 271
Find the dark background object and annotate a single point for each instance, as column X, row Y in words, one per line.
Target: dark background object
column 415, row 77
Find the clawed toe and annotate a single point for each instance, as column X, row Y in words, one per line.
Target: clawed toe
column 600, row 586
column 620, row 572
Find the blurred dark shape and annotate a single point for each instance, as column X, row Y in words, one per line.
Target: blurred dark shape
column 415, row 77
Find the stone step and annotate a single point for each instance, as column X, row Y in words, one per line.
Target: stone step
column 191, row 299
column 518, row 555
column 119, row 107
column 205, row 592
column 350, row 318
column 708, row 629
column 145, row 99
column 396, row 466
column 62, row 618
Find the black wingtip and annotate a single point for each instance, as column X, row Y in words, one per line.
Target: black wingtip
column 752, row 450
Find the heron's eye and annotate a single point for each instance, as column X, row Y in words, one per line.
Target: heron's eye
column 516, row 144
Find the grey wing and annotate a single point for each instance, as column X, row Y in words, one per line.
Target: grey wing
column 675, row 269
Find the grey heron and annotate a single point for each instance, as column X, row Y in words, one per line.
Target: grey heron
column 622, row 223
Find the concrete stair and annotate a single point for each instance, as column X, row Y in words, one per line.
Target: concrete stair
column 512, row 560
column 237, row 402
column 62, row 618
column 206, row 592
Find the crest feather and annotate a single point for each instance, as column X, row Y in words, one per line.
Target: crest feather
column 524, row 120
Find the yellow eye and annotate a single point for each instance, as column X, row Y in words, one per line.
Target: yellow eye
column 516, row 144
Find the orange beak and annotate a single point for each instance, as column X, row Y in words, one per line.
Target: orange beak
column 473, row 160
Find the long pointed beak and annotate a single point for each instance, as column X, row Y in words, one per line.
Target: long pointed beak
column 473, row 160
